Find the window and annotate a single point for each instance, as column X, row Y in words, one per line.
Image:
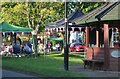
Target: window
column 116, row 36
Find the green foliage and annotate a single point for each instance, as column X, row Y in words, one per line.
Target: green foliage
column 31, row 14
column 13, row 13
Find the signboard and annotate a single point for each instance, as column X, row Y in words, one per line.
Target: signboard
column 115, row 53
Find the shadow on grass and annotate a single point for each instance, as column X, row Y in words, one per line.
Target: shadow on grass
column 62, row 55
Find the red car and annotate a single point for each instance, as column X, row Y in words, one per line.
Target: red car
column 76, row 47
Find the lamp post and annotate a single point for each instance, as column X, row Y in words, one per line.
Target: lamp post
column 66, row 40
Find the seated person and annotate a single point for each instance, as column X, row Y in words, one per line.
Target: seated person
column 29, row 44
column 10, row 49
column 7, row 50
column 16, row 48
column 27, row 49
column 2, row 49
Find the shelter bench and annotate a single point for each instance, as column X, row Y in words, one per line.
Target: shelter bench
column 93, row 63
column 94, row 59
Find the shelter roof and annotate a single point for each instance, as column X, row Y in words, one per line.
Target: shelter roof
column 106, row 12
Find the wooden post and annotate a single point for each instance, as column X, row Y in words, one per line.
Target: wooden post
column 97, row 38
column 106, row 47
column 87, row 36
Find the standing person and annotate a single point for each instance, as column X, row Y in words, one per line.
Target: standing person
column 46, row 46
column 58, row 46
column 18, row 40
column 49, row 46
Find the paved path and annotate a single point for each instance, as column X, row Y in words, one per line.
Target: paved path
column 7, row 73
column 72, row 68
column 96, row 73
column 86, row 72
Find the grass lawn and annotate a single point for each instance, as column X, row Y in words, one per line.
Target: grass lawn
column 52, row 65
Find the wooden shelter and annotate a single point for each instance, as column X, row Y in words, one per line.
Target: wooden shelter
column 102, row 37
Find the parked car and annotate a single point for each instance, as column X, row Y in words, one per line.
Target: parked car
column 76, row 47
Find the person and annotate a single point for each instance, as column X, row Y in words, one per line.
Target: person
column 29, row 44
column 58, row 46
column 10, row 49
column 46, row 46
column 49, row 46
column 2, row 49
column 18, row 40
column 40, row 47
column 16, row 49
column 27, row 49
column 6, row 50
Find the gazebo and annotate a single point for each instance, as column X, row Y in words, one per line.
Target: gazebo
column 12, row 29
column 102, row 37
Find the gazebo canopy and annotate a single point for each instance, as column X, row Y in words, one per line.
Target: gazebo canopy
column 6, row 27
column 61, row 22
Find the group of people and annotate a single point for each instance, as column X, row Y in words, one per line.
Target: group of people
column 16, row 48
column 49, row 47
column 5, row 49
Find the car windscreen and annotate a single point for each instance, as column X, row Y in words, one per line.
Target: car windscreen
column 72, row 44
column 78, row 44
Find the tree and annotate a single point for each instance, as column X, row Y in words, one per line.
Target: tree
column 31, row 14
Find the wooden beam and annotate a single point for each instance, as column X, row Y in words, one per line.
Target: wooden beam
column 87, row 36
column 97, row 38
column 106, row 47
